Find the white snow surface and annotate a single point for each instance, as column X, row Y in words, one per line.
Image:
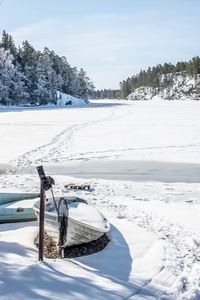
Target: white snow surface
column 154, row 248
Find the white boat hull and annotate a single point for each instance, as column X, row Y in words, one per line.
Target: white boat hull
column 78, row 232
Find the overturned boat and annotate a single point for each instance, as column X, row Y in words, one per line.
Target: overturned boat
column 16, row 214
column 11, row 210
column 6, row 197
column 85, row 223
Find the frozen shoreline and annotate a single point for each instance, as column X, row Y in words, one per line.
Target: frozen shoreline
column 126, row 170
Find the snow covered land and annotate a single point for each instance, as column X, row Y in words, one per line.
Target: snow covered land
column 66, row 99
column 142, row 161
column 172, row 87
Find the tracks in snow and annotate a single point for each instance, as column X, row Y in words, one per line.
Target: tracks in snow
column 57, row 148
column 180, row 256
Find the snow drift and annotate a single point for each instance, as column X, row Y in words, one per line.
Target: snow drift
column 66, row 99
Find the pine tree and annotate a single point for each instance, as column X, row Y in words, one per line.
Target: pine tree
column 124, row 89
column 7, row 43
column 12, row 89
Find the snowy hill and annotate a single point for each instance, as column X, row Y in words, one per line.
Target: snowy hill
column 66, row 99
column 172, row 87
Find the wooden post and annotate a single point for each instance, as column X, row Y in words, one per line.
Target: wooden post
column 46, row 183
column 42, row 208
column 41, row 222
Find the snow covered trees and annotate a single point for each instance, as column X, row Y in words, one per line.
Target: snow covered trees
column 7, row 43
column 84, row 84
column 105, row 94
column 12, row 90
column 152, row 77
column 31, row 76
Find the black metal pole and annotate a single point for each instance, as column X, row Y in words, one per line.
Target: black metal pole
column 41, row 221
column 46, row 183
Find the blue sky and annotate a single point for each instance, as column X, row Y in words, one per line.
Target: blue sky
column 110, row 39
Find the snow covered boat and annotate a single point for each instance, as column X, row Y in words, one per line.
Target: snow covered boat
column 12, row 197
column 85, row 222
column 16, row 214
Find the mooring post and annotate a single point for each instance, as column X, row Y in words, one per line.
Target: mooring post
column 41, row 222
column 42, row 208
column 46, row 183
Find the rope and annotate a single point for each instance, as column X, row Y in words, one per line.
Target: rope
column 54, row 201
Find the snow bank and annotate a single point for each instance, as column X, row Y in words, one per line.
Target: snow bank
column 63, row 100
column 66, row 99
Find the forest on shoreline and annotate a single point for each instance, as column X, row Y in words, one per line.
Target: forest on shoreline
column 35, row 77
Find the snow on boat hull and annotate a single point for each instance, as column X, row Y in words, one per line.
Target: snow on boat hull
column 79, row 231
column 12, row 215
column 77, row 234
column 12, row 197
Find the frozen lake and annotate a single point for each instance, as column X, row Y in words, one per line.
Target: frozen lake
column 143, row 164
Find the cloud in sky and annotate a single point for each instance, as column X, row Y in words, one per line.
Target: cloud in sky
column 34, row 29
column 111, row 41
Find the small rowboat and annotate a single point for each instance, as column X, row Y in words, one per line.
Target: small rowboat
column 85, row 222
column 12, row 197
column 15, row 213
